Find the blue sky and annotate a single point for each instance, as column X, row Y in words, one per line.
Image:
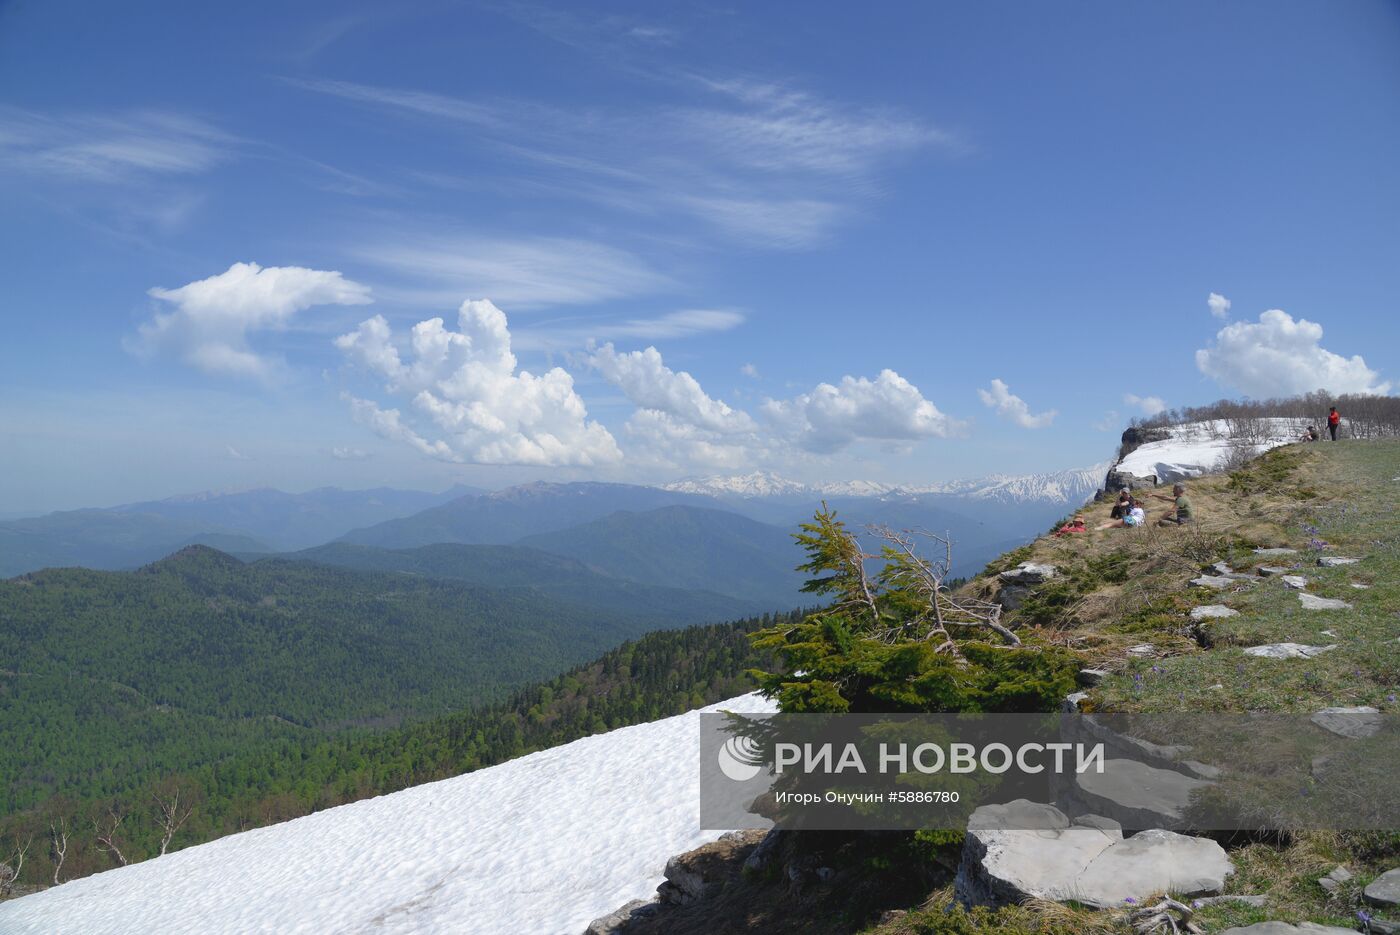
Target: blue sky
column 903, row 242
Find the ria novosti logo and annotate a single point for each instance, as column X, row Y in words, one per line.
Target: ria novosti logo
column 740, row 758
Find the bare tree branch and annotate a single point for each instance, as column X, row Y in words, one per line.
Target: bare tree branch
column 10, row 869
column 105, row 830
column 58, row 842
column 170, row 815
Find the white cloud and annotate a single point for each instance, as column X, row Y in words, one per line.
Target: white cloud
column 341, row 453
column 1150, row 405
column 750, row 370
column 829, row 418
column 465, row 385
column 109, row 148
column 522, row 273
column 650, row 384
column 686, row 323
column 214, row 317
column 1278, row 356
column 1109, row 422
column 1010, row 406
column 664, row 439
column 1219, row 305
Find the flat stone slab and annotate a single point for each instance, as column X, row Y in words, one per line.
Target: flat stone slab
column 1212, row 612
column 1313, row 602
column 1137, row 795
column 1287, row 650
column 1360, row 587
column 1272, row 552
column 1028, row 573
column 1284, row 928
column 1332, row 561
column 1384, row 890
column 1269, row 571
column 1221, row 568
column 1025, row 850
column 1218, row 582
column 1358, row 722
column 1296, row 582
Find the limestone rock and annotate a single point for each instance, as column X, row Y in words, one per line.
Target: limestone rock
column 617, row 920
column 1012, row 596
column 1137, row 795
column 1272, row 553
column 1142, row 650
column 1332, row 561
column 1287, row 650
column 1071, row 703
column 1313, row 602
column 1212, row 611
column 1269, row 571
column 1221, row 568
column 1357, row 723
column 1218, row 582
column 1334, row 880
column 1296, row 582
column 1091, row 677
column 1028, row 573
column 1154, row 861
column 1384, row 890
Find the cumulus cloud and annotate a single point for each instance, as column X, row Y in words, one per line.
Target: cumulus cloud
column 649, row 383
column 829, row 418
column 1010, row 406
column 1278, row 356
column 1219, row 305
column 465, row 385
column 213, row 318
column 1150, row 405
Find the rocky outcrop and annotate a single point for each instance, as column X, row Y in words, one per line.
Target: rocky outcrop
column 1016, row 584
column 1120, row 480
column 1356, row 722
column 1384, row 890
column 1024, row 850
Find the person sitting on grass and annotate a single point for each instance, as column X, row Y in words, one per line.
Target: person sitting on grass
column 1073, row 526
column 1180, row 513
column 1136, row 516
column 1311, row 435
column 1124, row 504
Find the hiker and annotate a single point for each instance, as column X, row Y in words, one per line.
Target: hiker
column 1310, row 435
column 1073, row 526
column 1180, row 513
column 1124, row 504
column 1136, row 516
column 1334, row 422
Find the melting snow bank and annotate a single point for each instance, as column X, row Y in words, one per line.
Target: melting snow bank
column 1198, row 448
column 542, row 844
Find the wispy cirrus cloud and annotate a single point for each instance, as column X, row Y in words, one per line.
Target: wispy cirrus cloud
column 757, row 164
column 110, row 149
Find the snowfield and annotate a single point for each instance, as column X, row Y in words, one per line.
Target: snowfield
column 1198, row 448
column 542, row 844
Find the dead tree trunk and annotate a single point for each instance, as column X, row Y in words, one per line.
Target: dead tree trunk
column 58, row 844
column 105, row 831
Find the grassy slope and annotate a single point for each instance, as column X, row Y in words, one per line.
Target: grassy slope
column 1127, row 587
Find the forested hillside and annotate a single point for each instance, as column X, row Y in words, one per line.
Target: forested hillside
column 112, row 678
column 658, row 675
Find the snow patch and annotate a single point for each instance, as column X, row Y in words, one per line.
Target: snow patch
column 544, row 843
column 1197, row 448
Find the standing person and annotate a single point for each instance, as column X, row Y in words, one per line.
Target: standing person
column 1333, row 422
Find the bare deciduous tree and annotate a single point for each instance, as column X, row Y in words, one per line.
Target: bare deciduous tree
column 171, row 813
column 10, row 869
column 58, row 845
column 104, row 829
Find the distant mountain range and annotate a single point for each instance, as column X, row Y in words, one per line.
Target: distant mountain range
column 1072, row 487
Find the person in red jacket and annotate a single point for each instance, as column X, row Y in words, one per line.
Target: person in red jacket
column 1333, row 421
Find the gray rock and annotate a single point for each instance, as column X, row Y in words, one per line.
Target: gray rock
column 1028, row 573
column 1313, row 602
column 1119, row 480
column 683, row 883
column 1221, row 568
column 1012, row 596
column 1071, row 703
column 1212, row 611
column 762, row 856
column 615, row 921
column 1296, row 582
column 1357, row 723
column 1275, row 552
column 1332, row 561
column 1384, row 890
column 1142, row 650
column 1382, row 927
column 1091, row 677
column 1218, row 582
column 1287, row 650
column 1137, row 795
column 1334, row 880
column 1284, row 928
column 1151, row 862
column 1258, row 902
column 1269, row 571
